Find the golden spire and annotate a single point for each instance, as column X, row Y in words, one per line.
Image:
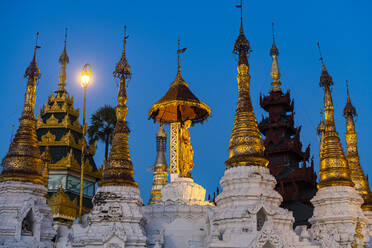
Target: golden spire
column 160, row 167
column 245, row 147
column 275, row 73
column 63, row 60
column 119, row 168
column 23, row 162
column 357, row 175
column 334, row 170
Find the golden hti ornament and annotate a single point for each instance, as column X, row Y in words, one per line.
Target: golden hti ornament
column 275, row 73
column 178, row 106
column 23, row 162
column 246, row 146
column 352, row 156
column 119, row 168
column 334, row 169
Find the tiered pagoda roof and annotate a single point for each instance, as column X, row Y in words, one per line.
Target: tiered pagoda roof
column 296, row 184
column 58, row 130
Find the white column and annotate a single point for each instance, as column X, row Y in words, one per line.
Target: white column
column 174, row 150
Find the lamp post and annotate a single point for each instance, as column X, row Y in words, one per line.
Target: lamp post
column 85, row 77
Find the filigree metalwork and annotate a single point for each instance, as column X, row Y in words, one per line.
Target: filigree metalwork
column 357, row 175
column 23, row 162
column 334, row 169
column 245, row 147
column 119, row 168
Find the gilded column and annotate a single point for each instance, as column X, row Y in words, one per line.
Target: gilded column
column 357, row 175
column 23, row 162
column 160, row 167
column 119, row 167
column 334, row 169
column 245, row 147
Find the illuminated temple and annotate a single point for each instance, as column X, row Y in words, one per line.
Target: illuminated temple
column 270, row 195
column 61, row 135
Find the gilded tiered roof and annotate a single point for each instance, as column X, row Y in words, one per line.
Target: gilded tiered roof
column 357, row 175
column 23, row 161
column 63, row 208
column 246, row 147
column 334, row 169
column 119, row 168
column 59, row 129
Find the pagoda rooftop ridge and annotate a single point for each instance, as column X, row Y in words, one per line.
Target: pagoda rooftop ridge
column 277, row 98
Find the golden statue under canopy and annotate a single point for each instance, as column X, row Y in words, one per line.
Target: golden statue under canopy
column 187, row 153
column 179, row 107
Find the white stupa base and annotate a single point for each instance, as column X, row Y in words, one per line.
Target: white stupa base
column 184, row 190
column 179, row 220
column 115, row 221
column 368, row 214
column 336, row 212
column 248, row 213
column 20, row 201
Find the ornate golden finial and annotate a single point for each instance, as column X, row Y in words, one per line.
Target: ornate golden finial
column 358, row 236
column 63, row 60
column 119, row 168
column 122, row 68
column 23, row 162
column 241, row 46
column 275, row 73
column 357, row 175
column 321, row 125
column 334, row 169
column 246, row 146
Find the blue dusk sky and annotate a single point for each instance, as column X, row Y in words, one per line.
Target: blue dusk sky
column 208, row 30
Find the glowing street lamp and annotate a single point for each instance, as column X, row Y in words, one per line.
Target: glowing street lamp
column 84, row 80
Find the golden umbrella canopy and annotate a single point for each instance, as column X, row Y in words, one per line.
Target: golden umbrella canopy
column 179, row 103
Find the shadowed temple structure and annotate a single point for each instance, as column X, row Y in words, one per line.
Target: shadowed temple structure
column 296, row 182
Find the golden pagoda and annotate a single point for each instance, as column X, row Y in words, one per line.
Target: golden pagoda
column 334, row 169
column 352, row 156
column 245, row 147
column 160, row 167
column 23, row 161
column 180, row 108
column 118, row 170
column 59, row 131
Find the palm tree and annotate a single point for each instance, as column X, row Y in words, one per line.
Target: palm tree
column 102, row 126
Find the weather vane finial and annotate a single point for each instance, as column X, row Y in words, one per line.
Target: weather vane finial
column 320, row 54
column 179, row 51
column 273, row 31
column 65, row 36
column 240, row 6
column 125, row 34
column 36, row 41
